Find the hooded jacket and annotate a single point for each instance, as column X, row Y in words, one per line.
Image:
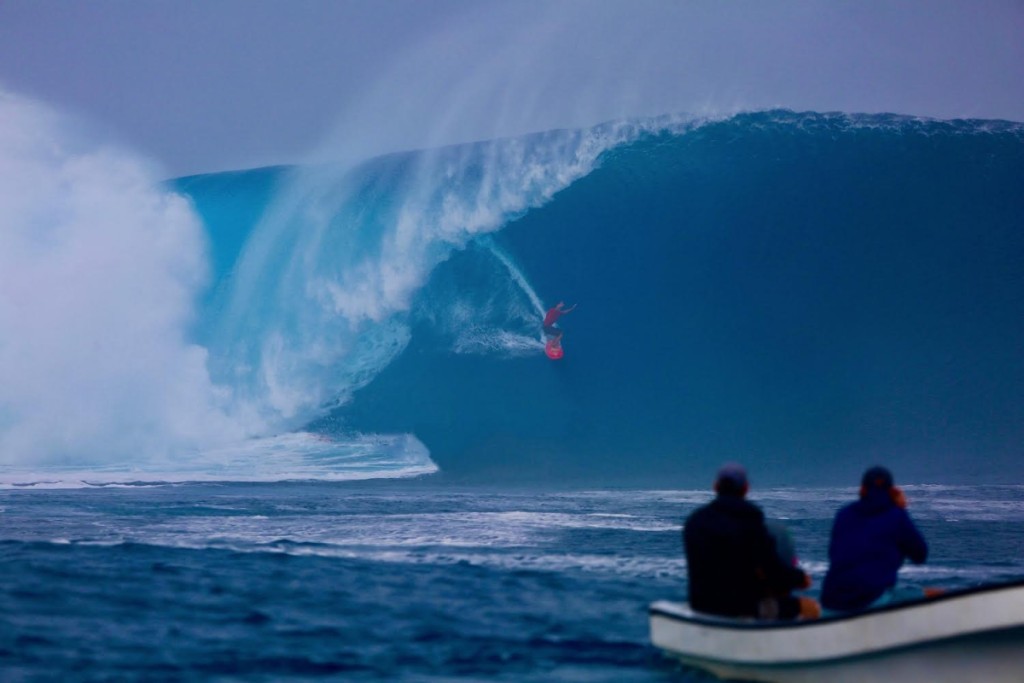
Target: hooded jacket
column 731, row 558
column 870, row 540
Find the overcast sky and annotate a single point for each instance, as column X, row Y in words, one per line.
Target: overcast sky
column 206, row 85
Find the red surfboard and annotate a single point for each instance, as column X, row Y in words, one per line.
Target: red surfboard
column 553, row 349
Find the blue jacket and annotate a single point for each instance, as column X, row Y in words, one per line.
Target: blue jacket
column 870, row 540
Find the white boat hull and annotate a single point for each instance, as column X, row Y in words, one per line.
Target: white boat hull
column 962, row 637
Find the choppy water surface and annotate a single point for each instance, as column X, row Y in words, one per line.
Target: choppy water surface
column 408, row 581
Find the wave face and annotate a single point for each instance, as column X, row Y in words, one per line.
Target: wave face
column 809, row 293
column 321, row 294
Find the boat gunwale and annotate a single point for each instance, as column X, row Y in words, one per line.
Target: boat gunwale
column 750, row 623
column 748, row 667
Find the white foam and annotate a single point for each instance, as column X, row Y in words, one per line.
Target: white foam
column 299, row 456
column 99, row 268
column 481, row 340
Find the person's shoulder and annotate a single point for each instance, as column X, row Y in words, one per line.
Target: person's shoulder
column 751, row 508
column 850, row 510
column 705, row 514
column 850, row 507
column 740, row 507
column 701, row 510
column 895, row 517
column 903, row 515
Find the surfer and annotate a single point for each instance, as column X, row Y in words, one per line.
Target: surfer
column 871, row 538
column 551, row 330
column 734, row 566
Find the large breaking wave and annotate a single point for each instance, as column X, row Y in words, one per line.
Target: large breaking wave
column 807, row 292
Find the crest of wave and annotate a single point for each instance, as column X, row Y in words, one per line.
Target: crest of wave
column 98, row 271
column 320, row 301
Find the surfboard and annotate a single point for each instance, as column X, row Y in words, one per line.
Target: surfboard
column 553, row 350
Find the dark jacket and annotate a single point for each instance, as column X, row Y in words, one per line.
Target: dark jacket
column 731, row 559
column 870, row 539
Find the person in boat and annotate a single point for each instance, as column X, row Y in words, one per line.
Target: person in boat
column 734, row 567
column 551, row 330
column 871, row 538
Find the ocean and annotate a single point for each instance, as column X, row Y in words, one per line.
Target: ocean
column 296, row 423
column 398, row 581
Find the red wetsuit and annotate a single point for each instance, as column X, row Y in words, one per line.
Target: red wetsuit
column 553, row 315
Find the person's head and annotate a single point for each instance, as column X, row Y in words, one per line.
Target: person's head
column 876, row 481
column 560, row 305
column 731, row 480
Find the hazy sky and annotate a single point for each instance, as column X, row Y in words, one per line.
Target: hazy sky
column 205, row 85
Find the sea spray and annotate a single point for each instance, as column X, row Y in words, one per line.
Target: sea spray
column 99, row 268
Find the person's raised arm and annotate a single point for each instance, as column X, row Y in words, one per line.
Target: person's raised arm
column 912, row 542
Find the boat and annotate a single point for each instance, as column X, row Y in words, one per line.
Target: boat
column 961, row 636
